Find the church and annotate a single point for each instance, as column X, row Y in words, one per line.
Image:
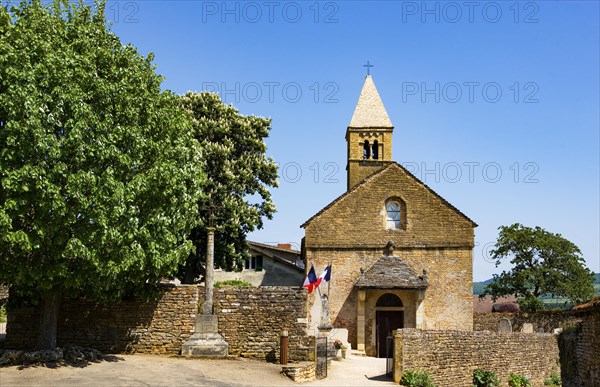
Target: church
column 401, row 255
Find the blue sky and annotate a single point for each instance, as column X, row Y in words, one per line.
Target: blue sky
column 495, row 104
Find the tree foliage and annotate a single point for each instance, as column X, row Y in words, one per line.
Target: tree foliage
column 239, row 175
column 543, row 263
column 100, row 174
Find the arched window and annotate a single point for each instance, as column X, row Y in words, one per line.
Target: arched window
column 366, row 151
column 392, row 209
column 389, row 299
column 375, row 150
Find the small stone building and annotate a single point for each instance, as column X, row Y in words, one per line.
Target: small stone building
column 401, row 254
column 268, row 266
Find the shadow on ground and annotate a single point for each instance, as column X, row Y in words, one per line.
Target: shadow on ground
column 74, row 364
column 69, row 356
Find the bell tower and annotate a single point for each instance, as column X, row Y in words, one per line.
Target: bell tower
column 369, row 136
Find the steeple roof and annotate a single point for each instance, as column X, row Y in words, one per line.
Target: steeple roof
column 369, row 111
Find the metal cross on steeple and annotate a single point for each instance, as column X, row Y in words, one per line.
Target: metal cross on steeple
column 368, row 66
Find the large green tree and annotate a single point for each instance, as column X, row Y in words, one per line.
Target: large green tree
column 100, row 173
column 543, row 263
column 239, row 175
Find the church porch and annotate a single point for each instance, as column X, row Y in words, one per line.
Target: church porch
column 390, row 297
column 381, row 311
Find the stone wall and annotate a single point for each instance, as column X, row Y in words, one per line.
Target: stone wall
column 546, row 320
column 250, row 320
column 158, row 326
column 452, row 356
column 587, row 348
column 300, row 372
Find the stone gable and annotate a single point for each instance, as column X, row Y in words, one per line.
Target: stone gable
column 357, row 218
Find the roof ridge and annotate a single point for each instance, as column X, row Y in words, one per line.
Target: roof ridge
column 291, row 251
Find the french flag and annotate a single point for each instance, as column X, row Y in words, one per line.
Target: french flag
column 326, row 275
column 312, row 282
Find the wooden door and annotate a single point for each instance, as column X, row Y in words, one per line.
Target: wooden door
column 387, row 321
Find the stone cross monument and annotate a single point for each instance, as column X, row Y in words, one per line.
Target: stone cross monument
column 206, row 340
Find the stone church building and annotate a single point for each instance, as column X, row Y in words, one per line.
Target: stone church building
column 401, row 254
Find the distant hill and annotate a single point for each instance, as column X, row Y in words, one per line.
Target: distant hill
column 479, row 286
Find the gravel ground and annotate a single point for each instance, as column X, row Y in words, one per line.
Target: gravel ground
column 145, row 370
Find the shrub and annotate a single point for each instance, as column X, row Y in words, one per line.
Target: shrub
column 416, row 379
column 554, row 380
column 235, row 282
column 483, row 378
column 518, row 381
column 531, row 304
column 2, row 314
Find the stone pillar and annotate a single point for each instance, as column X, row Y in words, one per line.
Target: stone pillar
column 206, row 340
column 360, row 321
column 209, row 276
column 420, row 312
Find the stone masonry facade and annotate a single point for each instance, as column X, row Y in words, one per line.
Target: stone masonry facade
column 452, row 356
column 250, row 320
column 351, row 234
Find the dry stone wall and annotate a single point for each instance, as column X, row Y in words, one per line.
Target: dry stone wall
column 587, row 349
column 158, row 326
column 452, row 356
column 250, row 319
column 301, row 372
column 546, row 321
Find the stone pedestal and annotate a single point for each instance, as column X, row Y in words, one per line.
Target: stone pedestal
column 326, row 332
column 206, row 340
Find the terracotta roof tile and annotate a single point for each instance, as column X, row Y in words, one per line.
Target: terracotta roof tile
column 594, row 303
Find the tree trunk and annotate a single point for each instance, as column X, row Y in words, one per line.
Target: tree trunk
column 49, row 320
